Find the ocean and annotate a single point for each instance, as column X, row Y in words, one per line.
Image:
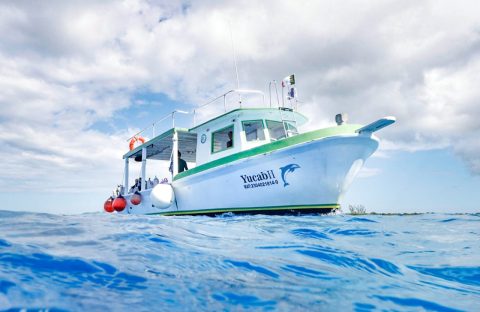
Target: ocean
column 108, row 262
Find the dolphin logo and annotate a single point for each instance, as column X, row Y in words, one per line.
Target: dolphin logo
column 287, row 169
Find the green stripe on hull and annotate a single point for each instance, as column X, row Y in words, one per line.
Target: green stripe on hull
column 269, row 147
column 248, row 209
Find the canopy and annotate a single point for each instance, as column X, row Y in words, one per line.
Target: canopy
column 160, row 147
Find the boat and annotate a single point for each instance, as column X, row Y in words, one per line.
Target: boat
column 247, row 160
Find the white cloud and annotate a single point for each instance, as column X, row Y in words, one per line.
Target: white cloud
column 66, row 65
column 367, row 172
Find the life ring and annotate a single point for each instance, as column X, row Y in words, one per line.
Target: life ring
column 135, row 139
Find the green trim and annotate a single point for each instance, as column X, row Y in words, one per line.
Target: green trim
column 246, row 209
column 154, row 140
column 233, row 140
column 242, row 109
column 273, row 146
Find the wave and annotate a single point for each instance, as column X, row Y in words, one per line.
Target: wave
column 285, row 263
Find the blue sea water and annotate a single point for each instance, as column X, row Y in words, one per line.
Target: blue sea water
column 103, row 262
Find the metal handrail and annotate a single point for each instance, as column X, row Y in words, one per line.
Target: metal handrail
column 171, row 114
column 194, row 112
column 274, row 83
column 224, row 96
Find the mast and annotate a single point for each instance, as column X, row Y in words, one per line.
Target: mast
column 235, row 63
column 234, row 55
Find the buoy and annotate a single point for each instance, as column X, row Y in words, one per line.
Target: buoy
column 162, row 196
column 108, row 205
column 119, row 203
column 136, row 198
column 135, row 139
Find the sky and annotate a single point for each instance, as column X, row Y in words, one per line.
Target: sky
column 78, row 78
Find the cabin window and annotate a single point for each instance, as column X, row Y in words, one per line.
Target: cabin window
column 222, row 139
column 291, row 129
column 275, row 129
column 253, row 130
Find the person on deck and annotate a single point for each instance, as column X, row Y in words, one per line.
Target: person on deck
column 230, row 141
column 182, row 164
column 134, row 187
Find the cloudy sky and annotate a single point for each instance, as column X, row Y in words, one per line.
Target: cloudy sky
column 78, row 77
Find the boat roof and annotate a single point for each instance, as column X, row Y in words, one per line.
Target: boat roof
column 160, row 147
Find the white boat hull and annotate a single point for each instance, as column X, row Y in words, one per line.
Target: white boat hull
column 307, row 177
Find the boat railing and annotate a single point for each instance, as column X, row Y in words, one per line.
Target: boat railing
column 154, row 126
column 224, row 96
column 195, row 112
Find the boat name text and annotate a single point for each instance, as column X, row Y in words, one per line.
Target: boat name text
column 264, row 178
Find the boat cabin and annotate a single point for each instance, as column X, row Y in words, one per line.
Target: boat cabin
column 235, row 131
column 243, row 129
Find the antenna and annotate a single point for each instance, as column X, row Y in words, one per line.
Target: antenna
column 234, row 55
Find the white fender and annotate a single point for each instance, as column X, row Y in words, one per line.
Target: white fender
column 162, row 196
